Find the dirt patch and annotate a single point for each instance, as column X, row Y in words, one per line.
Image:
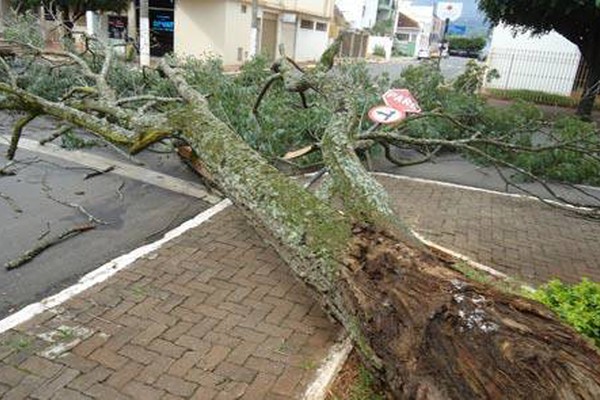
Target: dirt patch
column 355, row 383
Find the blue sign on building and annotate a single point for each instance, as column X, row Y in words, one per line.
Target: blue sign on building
column 457, row 30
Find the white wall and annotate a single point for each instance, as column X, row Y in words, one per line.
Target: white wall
column 360, row 14
column 384, row 41
column 546, row 63
column 310, row 44
column 237, row 32
column 199, row 27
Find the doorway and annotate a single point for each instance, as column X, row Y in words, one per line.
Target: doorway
column 268, row 39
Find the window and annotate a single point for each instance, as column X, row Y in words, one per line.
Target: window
column 321, row 26
column 403, row 37
column 307, row 24
column 244, row 9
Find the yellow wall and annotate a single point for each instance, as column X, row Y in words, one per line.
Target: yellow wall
column 200, row 27
column 220, row 27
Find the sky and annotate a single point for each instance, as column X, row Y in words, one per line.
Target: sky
column 471, row 16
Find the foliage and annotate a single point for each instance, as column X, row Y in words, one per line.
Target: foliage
column 383, row 27
column 471, row 45
column 569, row 17
column 76, row 8
column 560, row 165
column 578, row 305
column 537, row 97
column 471, row 81
column 379, row 51
column 70, row 141
column 23, row 28
column 521, row 124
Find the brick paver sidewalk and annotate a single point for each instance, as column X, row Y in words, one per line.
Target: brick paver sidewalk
column 520, row 237
column 216, row 314
column 213, row 314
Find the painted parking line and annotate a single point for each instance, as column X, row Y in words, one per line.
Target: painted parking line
column 123, row 169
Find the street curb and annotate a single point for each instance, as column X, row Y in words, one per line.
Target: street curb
column 481, row 190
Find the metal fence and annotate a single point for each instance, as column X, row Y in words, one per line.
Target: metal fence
column 544, row 71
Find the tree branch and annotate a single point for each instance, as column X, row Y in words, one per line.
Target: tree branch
column 16, row 135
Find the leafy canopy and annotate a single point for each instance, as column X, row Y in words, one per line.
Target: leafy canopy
column 574, row 19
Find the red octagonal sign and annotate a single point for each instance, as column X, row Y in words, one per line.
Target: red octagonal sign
column 401, row 100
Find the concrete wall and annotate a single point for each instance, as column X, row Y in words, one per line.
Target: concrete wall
column 383, row 41
column 361, row 14
column 237, row 32
column 310, row 43
column 201, row 27
column 546, row 63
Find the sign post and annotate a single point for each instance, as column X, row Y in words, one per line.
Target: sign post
column 144, row 34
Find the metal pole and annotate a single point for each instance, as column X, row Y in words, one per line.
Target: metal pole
column 144, row 34
column 254, row 32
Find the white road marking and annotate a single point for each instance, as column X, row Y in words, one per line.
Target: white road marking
column 476, row 189
column 107, row 270
column 338, row 354
column 121, row 168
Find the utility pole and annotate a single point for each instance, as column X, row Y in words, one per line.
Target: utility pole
column 144, row 34
column 254, row 33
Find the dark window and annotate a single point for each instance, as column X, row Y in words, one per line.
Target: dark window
column 321, row 26
column 403, row 37
column 244, row 8
column 307, row 24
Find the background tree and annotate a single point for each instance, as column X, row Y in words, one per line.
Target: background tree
column 73, row 10
column 577, row 20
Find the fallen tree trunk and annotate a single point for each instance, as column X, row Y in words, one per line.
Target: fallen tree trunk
column 421, row 326
column 426, row 330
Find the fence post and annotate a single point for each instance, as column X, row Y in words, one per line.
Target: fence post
column 510, row 68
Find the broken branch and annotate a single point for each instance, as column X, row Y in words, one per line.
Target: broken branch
column 29, row 255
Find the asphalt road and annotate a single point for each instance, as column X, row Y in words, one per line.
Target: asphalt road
column 135, row 212
column 451, row 67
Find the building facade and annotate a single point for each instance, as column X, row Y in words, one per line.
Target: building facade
column 223, row 28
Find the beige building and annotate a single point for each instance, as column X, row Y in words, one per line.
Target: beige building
column 223, row 27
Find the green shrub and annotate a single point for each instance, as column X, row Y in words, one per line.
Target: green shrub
column 379, row 51
column 578, row 305
column 470, row 45
column 383, row 27
column 537, row 97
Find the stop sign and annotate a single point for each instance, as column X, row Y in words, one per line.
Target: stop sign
column 401, row 100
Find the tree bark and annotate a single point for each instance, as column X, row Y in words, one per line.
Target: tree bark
column 591, row 55
column 421, row 326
